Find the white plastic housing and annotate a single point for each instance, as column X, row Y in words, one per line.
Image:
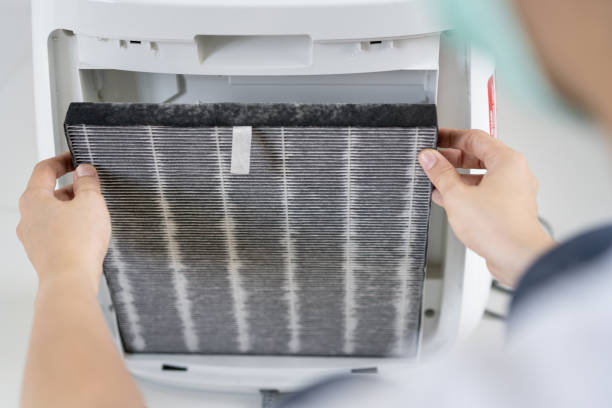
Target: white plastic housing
column 310, row 51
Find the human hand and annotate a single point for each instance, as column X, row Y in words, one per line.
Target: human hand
column 65, row 232
column 495, row 214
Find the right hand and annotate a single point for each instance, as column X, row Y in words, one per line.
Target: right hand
column 65, row 232
column 495, row 214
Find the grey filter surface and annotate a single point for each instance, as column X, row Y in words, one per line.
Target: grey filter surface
column 319, row 250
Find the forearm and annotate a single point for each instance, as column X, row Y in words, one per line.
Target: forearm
column 72, row 360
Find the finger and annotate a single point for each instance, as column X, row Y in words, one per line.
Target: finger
column 436, row 197
column 442, row 174
column 471, row 179
column 18, row 230
column 85, row 180
column 461, row 159
column 47, row 172
column 474, row 142
column 65, row 194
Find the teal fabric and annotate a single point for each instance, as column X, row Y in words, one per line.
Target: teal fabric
column 493, row 26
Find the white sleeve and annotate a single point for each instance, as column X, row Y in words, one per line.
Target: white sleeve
column 560, row 356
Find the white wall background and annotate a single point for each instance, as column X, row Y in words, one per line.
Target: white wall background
column 571, row 164
column 571, row 161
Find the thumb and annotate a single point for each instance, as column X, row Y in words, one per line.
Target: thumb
column 86, row 180
column 442, row 174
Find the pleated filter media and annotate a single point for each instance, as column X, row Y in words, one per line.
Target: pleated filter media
column 318, row 250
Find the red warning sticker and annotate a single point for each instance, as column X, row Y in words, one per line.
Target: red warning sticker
column 492, row 106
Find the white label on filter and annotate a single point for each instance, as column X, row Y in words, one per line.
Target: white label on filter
column 241, row 149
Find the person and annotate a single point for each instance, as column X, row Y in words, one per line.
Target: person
column 558, row 353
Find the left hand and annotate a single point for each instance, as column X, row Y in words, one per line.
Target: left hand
column 65, row 232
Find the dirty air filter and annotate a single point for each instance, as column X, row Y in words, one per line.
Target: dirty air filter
column 318, row 250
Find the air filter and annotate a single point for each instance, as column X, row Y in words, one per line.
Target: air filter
column 262, row 228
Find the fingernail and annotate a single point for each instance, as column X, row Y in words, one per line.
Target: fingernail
column 84, row 170
column 427, row 158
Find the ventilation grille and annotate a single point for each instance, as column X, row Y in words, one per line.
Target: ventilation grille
column 320, row 250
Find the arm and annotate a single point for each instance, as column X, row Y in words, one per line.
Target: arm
column 72, row 361
column 495, row 214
